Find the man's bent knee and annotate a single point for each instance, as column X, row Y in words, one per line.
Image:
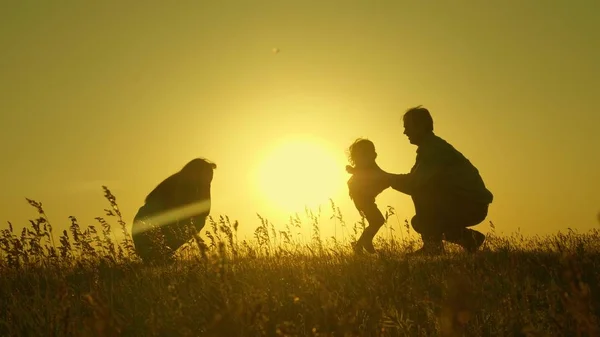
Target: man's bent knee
column 429, row 229
column 474, row 214
column 417, row 225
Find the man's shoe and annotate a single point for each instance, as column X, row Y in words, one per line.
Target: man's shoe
column 471, row 240
column 476, row 241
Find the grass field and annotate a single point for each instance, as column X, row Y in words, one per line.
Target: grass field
column 89, row 284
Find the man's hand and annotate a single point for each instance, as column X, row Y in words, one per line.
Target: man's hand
column 369, row 182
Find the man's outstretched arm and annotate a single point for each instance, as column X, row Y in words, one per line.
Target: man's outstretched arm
column 400, row 182
column 423, row 173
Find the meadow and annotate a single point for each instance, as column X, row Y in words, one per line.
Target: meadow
column 89, row 283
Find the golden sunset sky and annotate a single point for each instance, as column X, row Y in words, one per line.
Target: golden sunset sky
column 125, row 93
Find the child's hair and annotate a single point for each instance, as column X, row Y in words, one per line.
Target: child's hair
column 358, row 148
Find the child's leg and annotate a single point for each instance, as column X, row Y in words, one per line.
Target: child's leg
column 375, row 219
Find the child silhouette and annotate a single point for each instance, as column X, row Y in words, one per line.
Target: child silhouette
column 362, row 156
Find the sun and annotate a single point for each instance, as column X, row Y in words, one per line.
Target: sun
column 300, row 171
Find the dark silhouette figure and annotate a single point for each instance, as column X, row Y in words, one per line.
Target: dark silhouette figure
column 362, row 156
column 174, row 212
column 448, row 192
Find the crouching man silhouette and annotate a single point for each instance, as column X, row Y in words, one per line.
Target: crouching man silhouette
column 173, row 212
column 448, row 192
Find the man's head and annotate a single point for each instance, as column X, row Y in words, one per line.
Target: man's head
column 417, row 124
column 362, row 152
column 200, row 170
column 197, row 173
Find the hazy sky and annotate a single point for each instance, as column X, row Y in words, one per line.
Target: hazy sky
column 125, row 93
